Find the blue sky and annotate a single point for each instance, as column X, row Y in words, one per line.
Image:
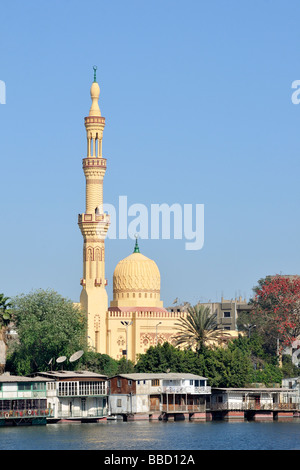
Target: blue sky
column 197, row 101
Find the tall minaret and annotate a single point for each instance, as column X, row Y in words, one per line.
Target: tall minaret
column 94, row 225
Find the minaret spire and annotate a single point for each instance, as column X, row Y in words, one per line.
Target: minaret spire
column 95, row 93
column 94, row 224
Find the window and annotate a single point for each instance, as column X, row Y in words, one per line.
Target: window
column 24, row 386
column 90, row 388
column 227, row 314
column 130, row 383
column 191, row 382
column 118, row 383
column 155, row 382
column 39, row 386
column 119, row 402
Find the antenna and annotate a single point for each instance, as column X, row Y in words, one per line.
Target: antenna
column 76, row 355
column 50, row 362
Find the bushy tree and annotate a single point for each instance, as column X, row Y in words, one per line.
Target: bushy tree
column 125, row 366
column 48, row 326
column 227, row 367
column 99, row 363
column 167, row 358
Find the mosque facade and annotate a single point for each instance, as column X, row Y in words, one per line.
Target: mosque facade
column 136, row 318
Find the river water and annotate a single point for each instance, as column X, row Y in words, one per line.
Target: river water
column 144, row 435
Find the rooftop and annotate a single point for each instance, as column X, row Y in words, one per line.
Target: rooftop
column 6, row 377
column 158, row 375
column 64, row 374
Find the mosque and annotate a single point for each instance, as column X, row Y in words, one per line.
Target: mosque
column 136, row 318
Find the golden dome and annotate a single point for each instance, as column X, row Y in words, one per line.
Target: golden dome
column 136, row 282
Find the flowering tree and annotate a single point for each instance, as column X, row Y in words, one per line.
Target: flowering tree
column 276, row 309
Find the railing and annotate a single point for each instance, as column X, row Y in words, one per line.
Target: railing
column 99, row 413
column 253, row 406
column 189, row 389
column 38, row 413
column 178, row 408
column 26, row 394
column 64, row 393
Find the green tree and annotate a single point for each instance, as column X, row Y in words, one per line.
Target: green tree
column 99, row 363
column 159, row 358
column 5, row 318
column 288, row 368
column 268, row 374
column 125, row 366
column 199, row 328
column 227, row 368
column 48, row 326
column 165, row 357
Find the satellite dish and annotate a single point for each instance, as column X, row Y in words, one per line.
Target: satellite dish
column 61, row 359
column 76, row 356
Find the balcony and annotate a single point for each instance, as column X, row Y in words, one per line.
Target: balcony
column 82, row 389
column 251, row 406
column 174, row 408
column 191, row 390
column 82, row 414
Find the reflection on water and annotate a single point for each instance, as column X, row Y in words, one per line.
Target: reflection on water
column 144, row 435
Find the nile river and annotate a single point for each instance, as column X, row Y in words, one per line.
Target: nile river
column 144, row 435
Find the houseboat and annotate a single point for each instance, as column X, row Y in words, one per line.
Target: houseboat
column 76, row 396
column 23, row 400
column 294, row 384
column 253, row 403
column 169, row 396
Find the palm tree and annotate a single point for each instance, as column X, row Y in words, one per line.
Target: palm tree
column 199, row 328
column 4, row 322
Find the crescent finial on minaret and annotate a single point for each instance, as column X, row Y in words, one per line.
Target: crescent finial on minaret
column 95, row 70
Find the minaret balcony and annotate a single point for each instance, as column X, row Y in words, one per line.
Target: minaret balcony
column 94, row 218
column 92, row 162
column 98, row 282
